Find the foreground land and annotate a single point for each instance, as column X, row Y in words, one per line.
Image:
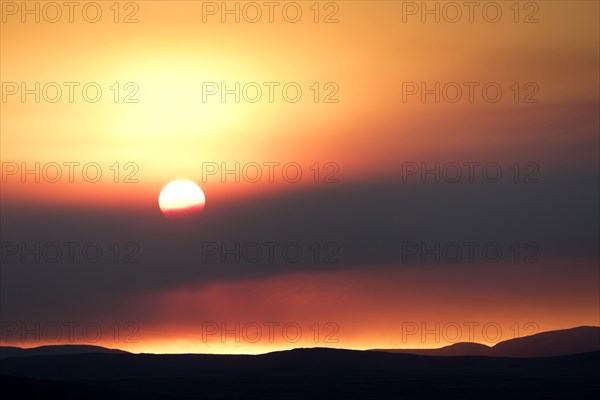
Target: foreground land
column 299, row 374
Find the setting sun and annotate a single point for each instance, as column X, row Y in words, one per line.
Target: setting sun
column 181, row 197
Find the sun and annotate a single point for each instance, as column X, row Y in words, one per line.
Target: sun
column 181, row 197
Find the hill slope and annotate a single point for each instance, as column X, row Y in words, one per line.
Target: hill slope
column 582, row 339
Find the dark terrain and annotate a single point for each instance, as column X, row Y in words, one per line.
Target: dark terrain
column 302, row 374
column 562, row 342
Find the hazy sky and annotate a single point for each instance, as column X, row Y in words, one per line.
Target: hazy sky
column 399, row 177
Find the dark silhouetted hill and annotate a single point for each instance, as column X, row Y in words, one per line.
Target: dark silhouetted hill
column 582, row 339
column 458, row 349
column 318, row 373
column 300, row 374
column 553, row 343
column 8, row 351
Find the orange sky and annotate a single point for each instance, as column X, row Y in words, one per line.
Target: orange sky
column 175, row 130
column 415, row 307
column 169, row 53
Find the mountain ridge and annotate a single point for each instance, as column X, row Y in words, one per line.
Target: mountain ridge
column 581, row 339
column 63, row 349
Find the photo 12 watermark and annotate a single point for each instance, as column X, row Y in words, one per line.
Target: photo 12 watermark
column 270, row 252
column 69, row 172
column 68, row 332
column 252, row 12
column 470, row 12
column 52, row 12
column 471, row 172
column 68, row 252
column 469, row 331
column 270, row 331
column 69, row 92
column 270, row 172
column 470, row 252
column 289, row 92
column 470, row 92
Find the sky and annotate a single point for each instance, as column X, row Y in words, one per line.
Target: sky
column 377, row 174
